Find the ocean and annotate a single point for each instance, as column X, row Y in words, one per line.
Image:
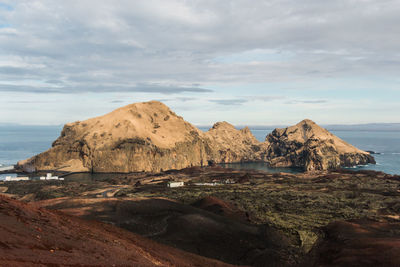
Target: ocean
column 21, row 142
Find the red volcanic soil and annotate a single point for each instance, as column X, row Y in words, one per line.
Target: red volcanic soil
column 31, row 236
column 185, row 227
column 358, row 243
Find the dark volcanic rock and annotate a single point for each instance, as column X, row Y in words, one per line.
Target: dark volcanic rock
column 357, row 243
column 373, row 152
column 32, row 236
column 187, row 228
column 223, row 208
column 309, row 146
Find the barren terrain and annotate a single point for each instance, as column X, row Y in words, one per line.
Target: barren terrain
column 257, row 219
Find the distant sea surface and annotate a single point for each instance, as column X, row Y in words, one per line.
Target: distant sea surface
column 21, row 142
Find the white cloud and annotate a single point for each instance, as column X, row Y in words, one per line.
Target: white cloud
column 114, row 46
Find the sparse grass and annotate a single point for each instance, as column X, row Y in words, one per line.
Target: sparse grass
column 298, row 205
column 301, row 205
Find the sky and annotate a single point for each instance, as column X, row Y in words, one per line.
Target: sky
column 245, row 62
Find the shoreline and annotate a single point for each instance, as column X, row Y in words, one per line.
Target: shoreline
column 224, row 166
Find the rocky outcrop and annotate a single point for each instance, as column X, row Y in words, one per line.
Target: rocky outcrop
column 141, row 137
column 309, row 146
column 150, row 137
column 232, row 145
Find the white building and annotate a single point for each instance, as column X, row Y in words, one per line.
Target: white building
column 206, row 184
column 15, row 179
column 175, row 184
column 49, row 176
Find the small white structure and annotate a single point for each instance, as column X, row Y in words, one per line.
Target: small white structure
column 175, row 184
column 207, row 184
column 16, row 179
column 49, row 176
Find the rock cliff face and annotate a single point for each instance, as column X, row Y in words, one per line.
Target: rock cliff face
column 311, row 147
column 141, row 137
column 150, row 137
column 232, row 145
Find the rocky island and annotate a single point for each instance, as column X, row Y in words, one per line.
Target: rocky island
column 150, row 137
column 312, row 147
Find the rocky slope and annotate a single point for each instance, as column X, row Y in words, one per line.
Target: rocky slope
column 141, row 137
column 32, row 236
column 150, row 137
column 359, row 242
column 232, row 145
column 138, row 137
column 184, row 227
column 312, row 147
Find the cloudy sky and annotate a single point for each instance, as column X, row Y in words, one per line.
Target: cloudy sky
column 246, row 62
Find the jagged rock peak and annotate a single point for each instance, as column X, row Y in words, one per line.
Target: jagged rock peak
column 303, row 131
column 223, row 125
column 309, row 146
column 246, row 130
column 307, row 121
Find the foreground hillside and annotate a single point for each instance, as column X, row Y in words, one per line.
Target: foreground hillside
column 150, row 137
column 37, row 237
column 192, row 229
column 257, row 218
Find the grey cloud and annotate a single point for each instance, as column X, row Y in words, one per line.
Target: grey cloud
column 127, row 42
column 317, row 101
column 180, row 99
column 54, row 81
column 314, row 101
column 263, row 98
column 142, row 88
column 245, row 99
column 229, row 102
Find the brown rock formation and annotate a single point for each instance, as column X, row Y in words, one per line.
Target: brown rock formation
column 150, row 137
column 232, row 145
column 141, row 137
column 312, row 147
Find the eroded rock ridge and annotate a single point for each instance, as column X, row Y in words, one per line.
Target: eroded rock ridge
column 309, row 146
column 150, row 137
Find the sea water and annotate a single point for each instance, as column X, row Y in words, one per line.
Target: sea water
column 21, row 142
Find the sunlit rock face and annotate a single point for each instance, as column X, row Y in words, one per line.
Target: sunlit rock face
column 150, row 137
column 312, row 147
column 141, row 137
